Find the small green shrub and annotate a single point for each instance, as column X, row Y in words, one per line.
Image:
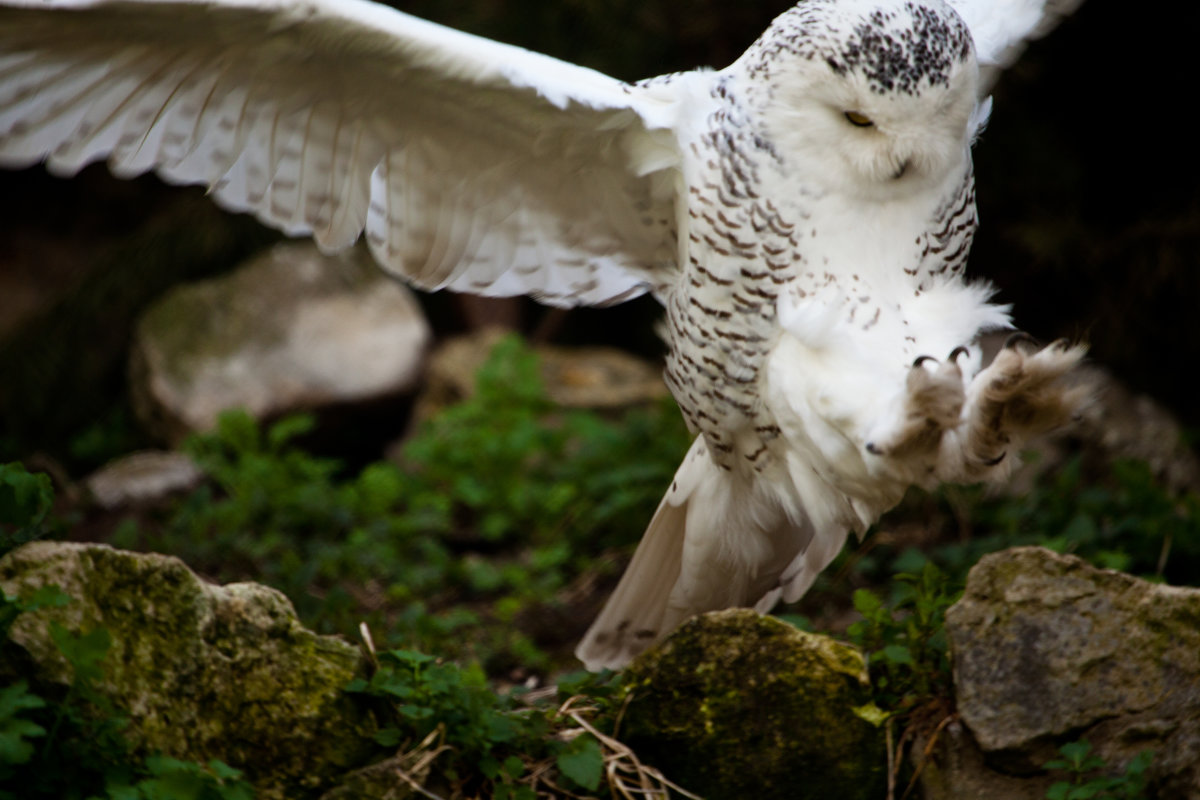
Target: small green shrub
column 501, row 502
column 495, row 745
column 1088, row 780
column 1116, row 516
column 905, row 640
column 1121, row 519
column 25, row 502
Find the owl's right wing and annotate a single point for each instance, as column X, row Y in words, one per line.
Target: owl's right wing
column 469, row 164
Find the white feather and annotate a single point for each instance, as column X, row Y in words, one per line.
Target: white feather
column 331, row 116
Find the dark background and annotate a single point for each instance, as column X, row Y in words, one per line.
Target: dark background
column 1087, row 186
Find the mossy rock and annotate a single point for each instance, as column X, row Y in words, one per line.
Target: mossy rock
column 737, row 705
column 1049, row 649
column 200, row 671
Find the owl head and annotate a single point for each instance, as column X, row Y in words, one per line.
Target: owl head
column 871, row 97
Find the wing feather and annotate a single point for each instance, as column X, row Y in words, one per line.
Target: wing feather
column 470, row 164
column 1002, row 29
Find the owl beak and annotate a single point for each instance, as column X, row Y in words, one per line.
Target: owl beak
column 903, row 168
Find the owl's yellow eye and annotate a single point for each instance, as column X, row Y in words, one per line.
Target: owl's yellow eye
column 861, row 120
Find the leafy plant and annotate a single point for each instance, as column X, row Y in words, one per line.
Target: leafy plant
column 905, row 641
column 25, row 501
column 501, row 501
column 496, row 745
column 1087, row 779
column 17, row 732
column 1120, row 519
column 1116, row 516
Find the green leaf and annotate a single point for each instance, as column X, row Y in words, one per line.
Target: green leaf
column 289, row 428
column 389, row 737
column 514, row 767
column 866, row 603
column 1058, row 791
column 871, row 713
column 223, row 770
column 410, row 657
column 25, row 497
column 84, row 651
column 582, row 761
column 14, row 731
column 50, row 595
column 898, row 654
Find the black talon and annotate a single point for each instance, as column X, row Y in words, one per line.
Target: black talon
column 1061, row 344
column 991, row 462
column 1020, row 337
column 922, row 359
column 959, row 351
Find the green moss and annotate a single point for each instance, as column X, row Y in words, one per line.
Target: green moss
column 736, row 705
column 202, row 671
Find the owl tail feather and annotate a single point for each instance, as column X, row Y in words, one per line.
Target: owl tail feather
column 715, row 542
column 637, row 612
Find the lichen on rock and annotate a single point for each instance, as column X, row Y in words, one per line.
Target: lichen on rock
column 201, row 671
column 1048, row 649
column 737, row 705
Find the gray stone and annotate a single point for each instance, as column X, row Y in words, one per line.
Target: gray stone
column 141, row 478
column 597, row 378
column 387, row 780
column 737, row 705
column 293, row 329
column 201, row 671
column 955, row 770
column 1048, row 649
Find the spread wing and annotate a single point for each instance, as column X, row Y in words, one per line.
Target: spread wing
column 469, row 164
column 1002, row 29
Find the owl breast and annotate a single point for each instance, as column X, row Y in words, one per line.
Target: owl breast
column 767, row 256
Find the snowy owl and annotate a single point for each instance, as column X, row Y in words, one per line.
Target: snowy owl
column 804, row 215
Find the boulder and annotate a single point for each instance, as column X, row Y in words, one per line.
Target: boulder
column 1048, row 649
column 201, row 671
column 291, row 330
column 597, row 378
column 391, row 779
column 142, row 478
column 738, row 705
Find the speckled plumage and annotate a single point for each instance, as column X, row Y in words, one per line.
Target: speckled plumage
column 804, row 215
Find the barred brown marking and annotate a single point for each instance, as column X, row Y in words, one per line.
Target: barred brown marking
column 755, row 455
column 712, row 277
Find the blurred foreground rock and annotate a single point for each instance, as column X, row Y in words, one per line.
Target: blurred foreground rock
column 736, row 705
column 1048, row 649
column 201, row 671
column 293, row 329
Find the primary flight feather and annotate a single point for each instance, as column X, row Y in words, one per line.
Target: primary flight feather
column 804, row 215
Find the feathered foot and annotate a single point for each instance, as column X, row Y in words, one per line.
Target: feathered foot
column 1021, row 394
column 932, row 405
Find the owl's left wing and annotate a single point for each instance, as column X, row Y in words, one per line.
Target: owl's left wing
column 469, row 164
column 1002, row 29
